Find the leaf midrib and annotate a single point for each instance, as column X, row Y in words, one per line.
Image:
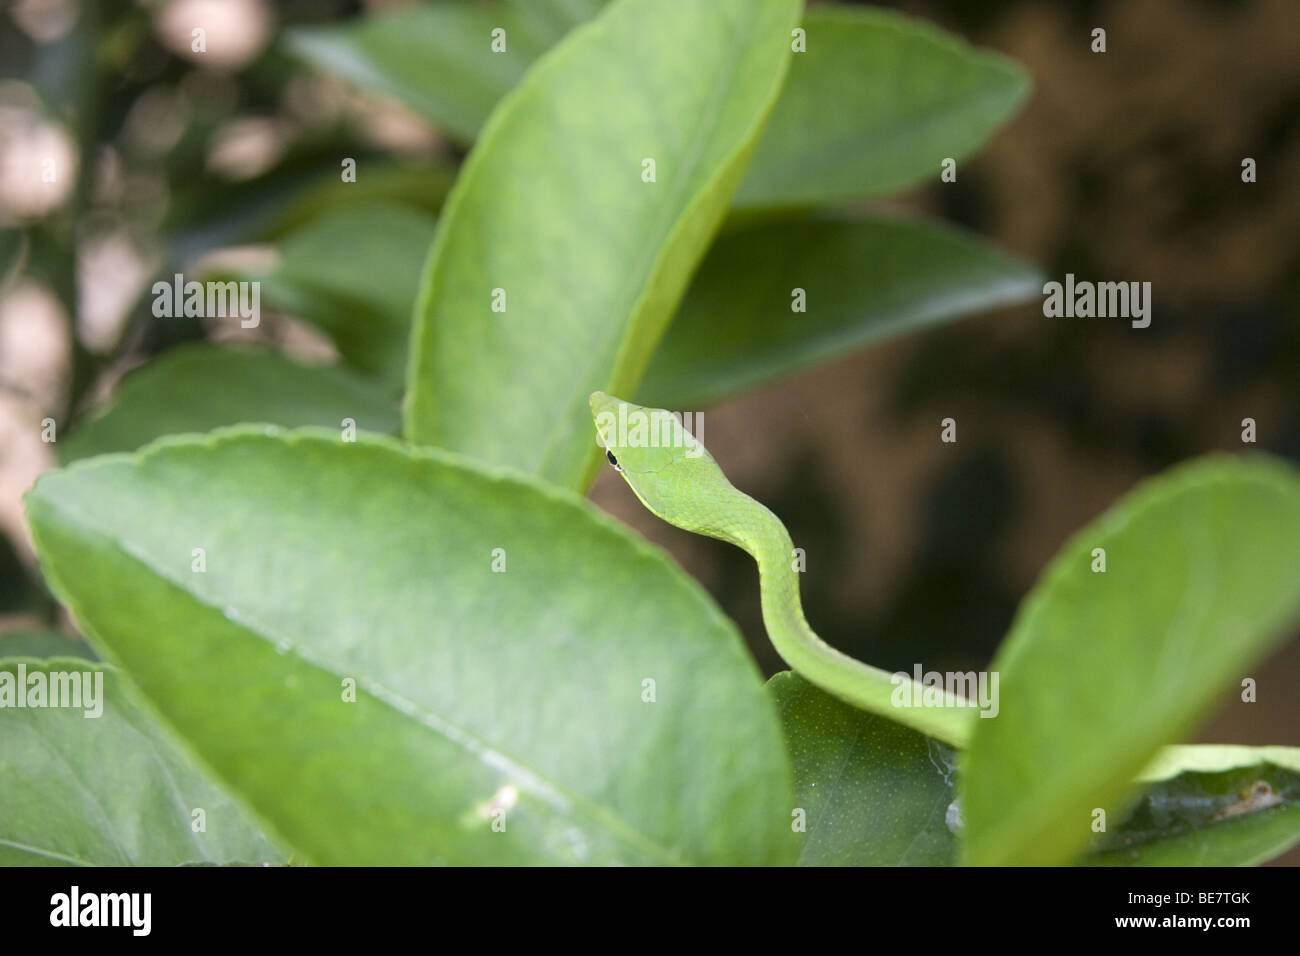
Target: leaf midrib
column 451, row 731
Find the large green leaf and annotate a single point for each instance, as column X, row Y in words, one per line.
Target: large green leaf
column 110, row 789
column 522, row 691
column 1102, row 668
column 873, row 792
column 197, row 388
column 551, row 208
column 355, row 274
column 876, row 103
column 862, row 279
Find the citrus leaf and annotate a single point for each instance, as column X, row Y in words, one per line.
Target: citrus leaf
column 107, row 790
column 1216, row 758
column 876, row 793
column 872, row 792
column 861, row 280
column 349, row 663
column 876, row 104
column 354, row 273
column 43, row 644
column 1237, row 814
column 1102, row 668
column 864, row 280
column 210, row 213
column 436, row 58
column 557, row 266
column 198, row 388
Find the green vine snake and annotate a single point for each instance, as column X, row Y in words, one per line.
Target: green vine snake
column 678, row 481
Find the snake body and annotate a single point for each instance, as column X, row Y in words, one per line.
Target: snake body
column 676, row 478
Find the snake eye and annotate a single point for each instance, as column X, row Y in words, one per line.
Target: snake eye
column 612, row 460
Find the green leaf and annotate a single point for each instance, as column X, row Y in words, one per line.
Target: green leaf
column 863, row 279
column 475, row 691
column 436, row 58
column 43, row 644
column 1239, row 813
column 551, row 208
column 1216, row 758
column 873, row 792
column 1101, row 669
column 876, row 104
column 110, row 790
column 876, row 793
column 197, row 388
column 354, row 273
column 207, row 213
column 555, row 18
column 381, row 187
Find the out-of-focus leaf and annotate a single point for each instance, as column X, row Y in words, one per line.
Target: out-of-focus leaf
column 555, row 18
column 1103, row 667
column 355, row 273
column 1233, row 815
column 198, row 388
column 872, row 792
column 110, row 790
column 58, row 73
column 876, row 104
column 437, row 58
column 380, row 187
column 552, row 212
column 209, row 214
column 1216, row 758
column 861, row 280
column 391, row 650
column 44, row 644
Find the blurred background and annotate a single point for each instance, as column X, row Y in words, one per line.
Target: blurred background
column 1123, row 166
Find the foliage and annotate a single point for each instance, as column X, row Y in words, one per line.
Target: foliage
column 351, row 647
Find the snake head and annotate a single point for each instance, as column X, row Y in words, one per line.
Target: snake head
column 662, row 462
